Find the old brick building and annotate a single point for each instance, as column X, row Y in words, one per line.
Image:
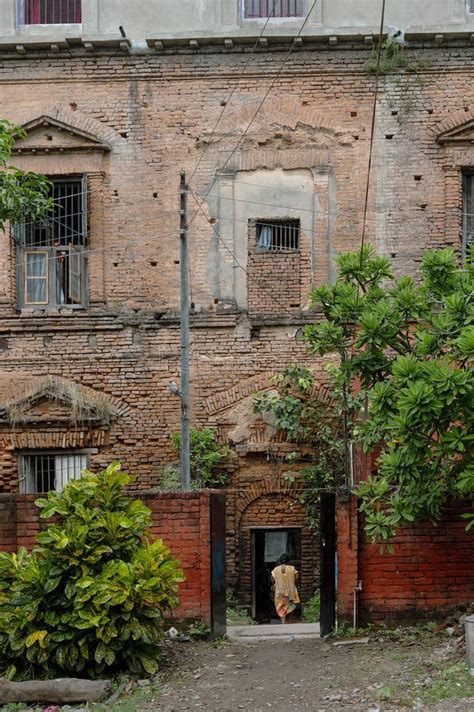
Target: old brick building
column 89, row 303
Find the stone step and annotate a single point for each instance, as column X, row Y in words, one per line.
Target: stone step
column 288, row 632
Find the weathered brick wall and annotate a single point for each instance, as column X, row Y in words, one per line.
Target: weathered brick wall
column 156, row 113
column 182, row 520
column 428, row 574
column 277, row 510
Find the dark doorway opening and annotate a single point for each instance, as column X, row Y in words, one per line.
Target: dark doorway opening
column 267, row 547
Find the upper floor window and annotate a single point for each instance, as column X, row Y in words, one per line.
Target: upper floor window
column 278, row 236
column 468, row 213
column 275, row 8
column 471, row 6
column 51, row 12
column 51, row 253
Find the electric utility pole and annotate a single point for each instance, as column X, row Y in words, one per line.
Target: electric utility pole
column 184, row 263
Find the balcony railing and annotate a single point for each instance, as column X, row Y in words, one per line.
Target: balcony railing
column 52, row 12
column 274, row 8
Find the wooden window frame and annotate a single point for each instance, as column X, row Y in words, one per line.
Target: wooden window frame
column 23, row 9
column 266, row 7
column 27, row 278
column 76, row 300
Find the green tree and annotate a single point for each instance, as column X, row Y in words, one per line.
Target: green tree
column 23, row 195
column 90, row 597
column 408, row 347
column 310, row 416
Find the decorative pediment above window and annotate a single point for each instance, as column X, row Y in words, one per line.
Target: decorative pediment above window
column 27, row 400
column 48, row 135
column 461, row 134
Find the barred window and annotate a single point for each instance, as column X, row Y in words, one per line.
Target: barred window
column 468, row 213
column 51, row 252
column 278, row 236
column 45, row 471
column 52, row 12
column 274, row 8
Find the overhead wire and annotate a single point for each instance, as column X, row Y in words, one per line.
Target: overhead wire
column 236, row 261
column 234, row 89
column 264, row 98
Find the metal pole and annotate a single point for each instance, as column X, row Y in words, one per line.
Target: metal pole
column 184, row 262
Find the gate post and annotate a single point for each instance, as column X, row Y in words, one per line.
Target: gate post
column 218, row 564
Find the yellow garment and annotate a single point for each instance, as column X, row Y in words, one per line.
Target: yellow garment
column 285, row 582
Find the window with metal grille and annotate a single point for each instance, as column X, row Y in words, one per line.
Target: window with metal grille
column 51, row 12
column 51, row 252
column 278, row 236
column 274, row 8
column 46, row 471
column 468, row 214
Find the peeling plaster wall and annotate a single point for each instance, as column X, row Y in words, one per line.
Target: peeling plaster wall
column 250, row 195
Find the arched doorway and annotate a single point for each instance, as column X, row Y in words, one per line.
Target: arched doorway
column 272, row 524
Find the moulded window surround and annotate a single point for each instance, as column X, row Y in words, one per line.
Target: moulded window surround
column 276, row 9
column 51, row 253
column 44, row 471
column 32, row 13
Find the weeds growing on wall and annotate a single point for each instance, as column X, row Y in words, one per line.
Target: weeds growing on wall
column 207, row 458
column 393, row 58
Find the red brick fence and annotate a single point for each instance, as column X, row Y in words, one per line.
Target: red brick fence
column 187, row 522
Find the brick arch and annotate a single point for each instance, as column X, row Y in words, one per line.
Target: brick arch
column 260, row 382
column 454, row 120
column 274, row 509
column 246, row 498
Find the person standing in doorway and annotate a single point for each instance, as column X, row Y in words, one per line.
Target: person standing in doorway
column 284, row 586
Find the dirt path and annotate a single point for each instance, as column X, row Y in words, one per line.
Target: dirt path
column 311, row 675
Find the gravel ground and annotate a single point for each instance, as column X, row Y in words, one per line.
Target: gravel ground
column 310, row 675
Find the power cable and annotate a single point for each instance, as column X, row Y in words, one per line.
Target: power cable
column 236, row 261
column 247, row 128
column 234, row 89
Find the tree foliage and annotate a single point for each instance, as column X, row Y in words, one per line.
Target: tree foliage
column 311, row 420
column 408, row 346
column 90, row 597
column 23, row 195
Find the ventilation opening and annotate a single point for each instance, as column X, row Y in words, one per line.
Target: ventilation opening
column 278, row 235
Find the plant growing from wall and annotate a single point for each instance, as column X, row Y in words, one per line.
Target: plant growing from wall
column 90, row 598
column 393, row 57
column 23, row 195
column 207, row 457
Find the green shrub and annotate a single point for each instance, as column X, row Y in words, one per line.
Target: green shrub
column 90, row 597
column 207, row 456
column 311, row 611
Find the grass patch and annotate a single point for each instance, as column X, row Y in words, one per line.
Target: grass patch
column 311, row 611
column 450, row 683
column 236, row 615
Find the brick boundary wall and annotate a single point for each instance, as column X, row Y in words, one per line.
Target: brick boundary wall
column 429, row 574
column 181, row 519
